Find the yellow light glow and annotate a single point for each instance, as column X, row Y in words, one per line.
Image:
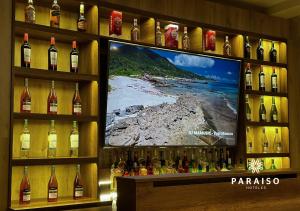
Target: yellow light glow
column 104, row 182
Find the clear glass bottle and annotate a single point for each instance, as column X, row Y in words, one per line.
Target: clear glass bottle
column 274, row 112
column 185, row 40
column 156, row 163
column 25, row 141
column 248, row 109
column 74, row 140
column 30, row 12
column 55, row 15
column 158, row 35
column 81, row 23
column 135, row 31
column 265, row 142
column 277, row 145
column 227, row 47
column 52, row 140
column 142, row 162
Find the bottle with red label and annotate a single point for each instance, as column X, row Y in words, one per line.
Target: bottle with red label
column 25, row 101
column 52, row 186
column 52, row 100
column 76, row 101
column 115, row 23
column 78, row 185
column 52, row 56
column 25, row 188
column 210, row 40
column 171, row 36
column 25, row 52
column 74, row 58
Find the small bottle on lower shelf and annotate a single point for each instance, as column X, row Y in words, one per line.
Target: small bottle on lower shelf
column 52, row 100
column 25, row 188
column 52, row 186
column 78, row 185
column 77, row 101
column 25, row 100
column 25, row 140
column 52, row 140
column 74, row 140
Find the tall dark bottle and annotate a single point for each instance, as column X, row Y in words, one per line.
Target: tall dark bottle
column 262, row 80
column 247, row 48
column 248, row 77
column 274, row 112
column 25, row 52
column 274, row 84
column 74, row 58
column 260, row 51
column 52, row 56
column 273, row 53
column 262, row 110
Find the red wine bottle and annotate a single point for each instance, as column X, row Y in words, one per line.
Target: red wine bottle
column 74, row 58
column 25, row 52
column 52, row 56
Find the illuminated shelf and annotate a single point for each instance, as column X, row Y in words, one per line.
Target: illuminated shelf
column 256, row 92
column 61, row 117
column 62, row 203
column 267, row 124
column 273, row 64
column 263, row 155
column 53, row 161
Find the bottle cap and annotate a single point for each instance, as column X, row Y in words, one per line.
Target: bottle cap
column 52, row 40
column 74, row 44
column 26, row 37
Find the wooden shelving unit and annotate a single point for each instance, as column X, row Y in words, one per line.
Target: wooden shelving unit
column 60, row 117
column 267, row 155
column 261, row 93
column 53, row 161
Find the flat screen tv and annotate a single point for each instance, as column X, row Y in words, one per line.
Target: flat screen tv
column 159, row 97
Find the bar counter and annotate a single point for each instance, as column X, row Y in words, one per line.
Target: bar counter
column 210, row 191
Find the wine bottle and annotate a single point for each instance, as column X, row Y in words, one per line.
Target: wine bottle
column 55, row 15
column 136, row 164
column 52, row 186
column 273, row 53
column 248, row 77
column 52, row 100
column 260, row 51
column 30, row 12
column 25, row 53
column 247, row 48
column 74, row 58
column 274, row 112
column 158, row 35
column 227, row 47
column 135, row 31
column 142, row 169
column 52, row 56
column 185, row 40
column 74, row 140
column 52, row 140
column 248, row 109
column 262, row 79
column 25, row 191
column 185, row 163
column 77, row 101
column 78, row 185
column 249, row 140
column 81, row 23
column 25, row 100
column 277, row 146
column 274, row 84
column 273, row 167
column 149, row 165
column 265, row 142
column 25, row 140
column 262, row 110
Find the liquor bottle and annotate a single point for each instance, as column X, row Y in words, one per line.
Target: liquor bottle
column 74, row 58
column 227, row 47
column 115, row 172
column 158, row 35
column 249, row 140
column 129, row 164
column 185, row 163
column 25, row 52
column 162, row 163
column 149, row 165
column 25, row 100
column 200, row 161
column 273, row 167
column 248, row 76
column 135, row 164
column 55, row 15
column 247, row 48
column 192, row 164
column 265, row 142
column 223, row 160
column 204, row 160
column 248, row 109
column 76, row 102
column 25, row 191
column 277, row 145
column 260, row 51
column 273, row 53
column 52, row 140
column 25, row 140
column 180, row 168
column 52, row 186
column 263, row 163
column 135, row 31
column 74, row 140
column 52, row 100
column 185, row 40
column 274, row 112
column 52, row 56
column 81, row 23
column 142, row 170
column 274, row 84
column 30, row 12
column 177, row 158
column 228, row 160
column 78, row 185
column 262, row 110
column 261, row 78
column 171, row 169
column 156, row 163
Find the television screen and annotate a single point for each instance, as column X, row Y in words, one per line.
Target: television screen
column 158, row 97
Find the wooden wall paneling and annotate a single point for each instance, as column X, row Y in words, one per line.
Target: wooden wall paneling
column 282, row 52
column 284, row 112
column 88, row 144
column 196, row 39
column 88, row 62
column 147, row 33
column 282, row 79
column 92, row 22
column 237, row 44
column 90, row 179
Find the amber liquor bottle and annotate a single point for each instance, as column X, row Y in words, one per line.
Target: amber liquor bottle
column 247, row 48
column 274, row 84
column 185, row 39
column 78, row 185
column 76, row 101
column 52, row 186
column 25, row 100
column 260, row 51
column 248, row 77
column 55, row 15
column 81, row 23
column 227, row 47
column 25, row 193
column 30, row 12
column 158, row 35
column 52, row 56
column 262, row 80
column 74, row 55
column 135, row 31
column 273, row 53
column 25, row 52
column 52, row 100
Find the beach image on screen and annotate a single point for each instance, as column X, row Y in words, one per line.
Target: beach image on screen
column 168, row 98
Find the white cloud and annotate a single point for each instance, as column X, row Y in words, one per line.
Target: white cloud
column 229, row 73
column 192, row 61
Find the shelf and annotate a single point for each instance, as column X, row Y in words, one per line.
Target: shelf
column 61, row 117
column 267, row 124
column 53, row 161
column 264, row 155
column 254, row 61
column 45, row 32
column 61, row 204
column 256, row 92
column 50, row 75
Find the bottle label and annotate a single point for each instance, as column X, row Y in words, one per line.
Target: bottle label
column 248, row 79
column 265, row 149
column 27, row 55
column 249, row 149
column 74, row 140
column 53, row 58
column 279, row 149
column 248, row 116
column 158, row 39
column 229, row 161
column 81, row 25
column 53, row 107
column 52, row 193
column 55, row 12
column 30, row 15
column 275, row 117
column 263, row 116
column 25, row 141
column 79, row 191
column 77, row 109
column 262, row 80
column 135, row 35
column 74, row 61
column 274, row 82
column 52, row 140
column 26, row 195
column 26, row 106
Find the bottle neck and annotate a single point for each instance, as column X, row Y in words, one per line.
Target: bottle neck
column 26, row 171
column 81, row 10
column 52, row 171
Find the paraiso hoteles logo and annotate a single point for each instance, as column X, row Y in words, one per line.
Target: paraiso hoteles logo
column 256, row 166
